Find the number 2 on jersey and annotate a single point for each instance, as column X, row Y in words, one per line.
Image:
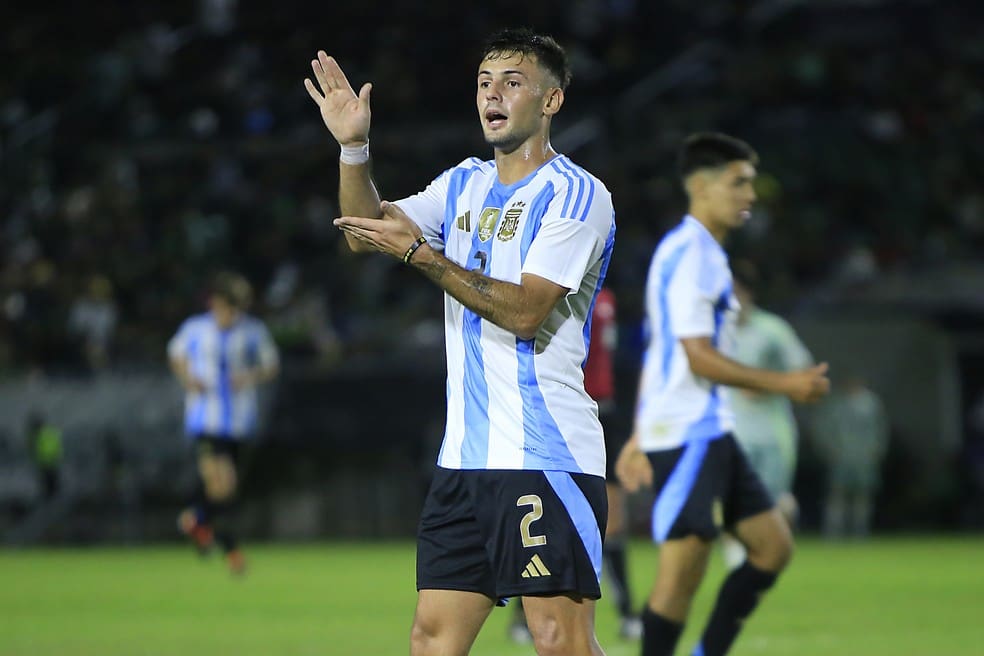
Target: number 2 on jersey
column 482, row 258
column 534, row 514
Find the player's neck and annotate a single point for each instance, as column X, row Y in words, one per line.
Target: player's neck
column 717, row 230
column 518, row 163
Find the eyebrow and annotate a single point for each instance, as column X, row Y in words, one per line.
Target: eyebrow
column 510, row 71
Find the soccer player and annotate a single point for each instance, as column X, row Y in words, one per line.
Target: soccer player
column 599, row 382
column 520, row 244
column 220, row 357
column 682, row 443
column 764, row 423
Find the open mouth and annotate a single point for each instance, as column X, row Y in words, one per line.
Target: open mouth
column 495, row 118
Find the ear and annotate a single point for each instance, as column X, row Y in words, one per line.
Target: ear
column 694, row 184
column 553, row 101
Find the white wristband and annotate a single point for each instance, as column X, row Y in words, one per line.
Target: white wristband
column 354, row 155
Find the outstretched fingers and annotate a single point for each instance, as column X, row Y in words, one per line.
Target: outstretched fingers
column 313, row 91
column 332, row 73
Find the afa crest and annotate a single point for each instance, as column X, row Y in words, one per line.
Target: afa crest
column 507, row 230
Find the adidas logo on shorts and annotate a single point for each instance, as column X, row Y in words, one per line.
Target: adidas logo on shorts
column 535, row 568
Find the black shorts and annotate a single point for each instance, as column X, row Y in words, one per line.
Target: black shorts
column 509, row 533
column 218, row 446
column 702, row 487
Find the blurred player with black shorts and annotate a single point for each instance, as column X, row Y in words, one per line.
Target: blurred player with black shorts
column 220, row 357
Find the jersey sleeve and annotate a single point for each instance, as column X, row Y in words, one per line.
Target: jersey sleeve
column 690, row 295
column 566, row 247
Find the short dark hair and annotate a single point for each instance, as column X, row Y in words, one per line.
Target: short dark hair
column 712, row 150
column 524, row 41
column 233, row 289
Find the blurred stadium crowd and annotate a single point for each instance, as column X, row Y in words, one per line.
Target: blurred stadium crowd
column 146, row 144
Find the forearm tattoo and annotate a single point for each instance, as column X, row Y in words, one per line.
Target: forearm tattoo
column 479, row 293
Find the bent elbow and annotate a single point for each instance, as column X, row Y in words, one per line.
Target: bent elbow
column 524, row 334
column 527, row 327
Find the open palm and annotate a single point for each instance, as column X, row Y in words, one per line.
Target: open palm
column 345, row 114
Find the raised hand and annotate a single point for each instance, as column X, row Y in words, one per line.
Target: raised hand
column 345, row 114
column 808, row 385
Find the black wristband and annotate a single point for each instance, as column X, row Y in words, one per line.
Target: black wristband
column 420, row 241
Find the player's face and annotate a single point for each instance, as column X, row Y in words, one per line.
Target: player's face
column 515, row 96
column 224, row 312
column 730, row 194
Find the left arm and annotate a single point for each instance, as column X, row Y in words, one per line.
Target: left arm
column 521, row 309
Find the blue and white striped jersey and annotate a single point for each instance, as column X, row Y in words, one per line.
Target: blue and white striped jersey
column 214, row 357
column 688, row 294
column 514, row 403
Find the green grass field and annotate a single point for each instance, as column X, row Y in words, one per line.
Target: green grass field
column 898, row 597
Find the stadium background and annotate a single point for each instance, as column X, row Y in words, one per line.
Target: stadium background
column 144, row 145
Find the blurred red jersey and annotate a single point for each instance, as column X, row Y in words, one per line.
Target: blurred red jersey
column 599, row 374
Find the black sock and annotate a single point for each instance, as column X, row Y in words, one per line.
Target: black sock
column 613, row 555
column 201, row 505
column 738, row 597
column 659, row 635
column 223, row 522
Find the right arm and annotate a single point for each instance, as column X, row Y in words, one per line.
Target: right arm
column 803, row 385
column 632, row 467
column 347, row 117
column 177, row 357
column 182, row 371
column 692, row 293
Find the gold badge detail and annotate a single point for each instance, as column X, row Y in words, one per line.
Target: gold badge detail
column 486, row 223
column 509, row 223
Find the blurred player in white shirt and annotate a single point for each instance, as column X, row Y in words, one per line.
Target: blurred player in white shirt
column 683, row 443
column 220, row 357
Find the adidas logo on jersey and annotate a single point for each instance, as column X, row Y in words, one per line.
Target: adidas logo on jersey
column 535, row 568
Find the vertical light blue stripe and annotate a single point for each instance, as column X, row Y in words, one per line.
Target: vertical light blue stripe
column 456, row 186
column 666, row 329
column 677, row 489
column 475, row 446
column 698, row 650
column 251, row 358
column 544, row 445
column 581, row 514
column 225, row 385
column 537, row 209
